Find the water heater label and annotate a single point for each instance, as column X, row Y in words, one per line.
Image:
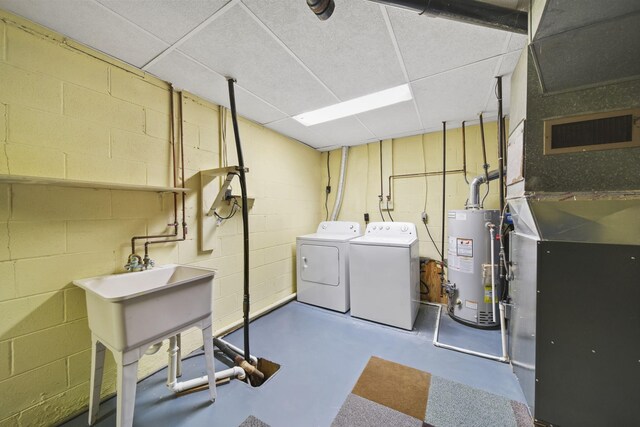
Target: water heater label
column 464, row 247
column 461, row 216
column 465, row 265
column 471, row 305
column 488, row 294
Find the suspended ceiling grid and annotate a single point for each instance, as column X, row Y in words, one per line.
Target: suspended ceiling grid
column 287, row 62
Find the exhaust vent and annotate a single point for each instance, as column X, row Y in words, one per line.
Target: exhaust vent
column 598, row 131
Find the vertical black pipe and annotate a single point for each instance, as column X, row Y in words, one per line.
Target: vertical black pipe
column 485, row 165
column 444, row 187
column 245, row 218
column 381, row 185
column 500, row 145
column 464, row 155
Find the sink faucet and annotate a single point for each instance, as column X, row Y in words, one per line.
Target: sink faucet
column 134, row 263
column 147, row 262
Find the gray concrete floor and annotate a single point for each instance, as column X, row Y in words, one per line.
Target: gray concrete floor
column 322, row 354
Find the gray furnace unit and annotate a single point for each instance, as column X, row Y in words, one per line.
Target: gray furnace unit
column 574, row 325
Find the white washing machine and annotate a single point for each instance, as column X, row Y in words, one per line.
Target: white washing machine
column 323, row 265
column 384, row 266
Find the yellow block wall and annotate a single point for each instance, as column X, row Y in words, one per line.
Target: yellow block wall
column 69, row 112
column 412, row 196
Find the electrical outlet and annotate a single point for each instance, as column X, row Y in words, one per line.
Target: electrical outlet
column 425, row 218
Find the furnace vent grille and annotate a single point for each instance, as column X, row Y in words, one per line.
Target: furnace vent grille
column 599, row 131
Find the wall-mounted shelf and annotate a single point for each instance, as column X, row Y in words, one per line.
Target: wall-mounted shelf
column 61, row 182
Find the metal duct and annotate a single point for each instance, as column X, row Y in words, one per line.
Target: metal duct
column 469, row 11
column 343, row 170
column 474, row 188
column 322, row 8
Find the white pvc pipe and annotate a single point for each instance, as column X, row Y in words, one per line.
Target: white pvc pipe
column 492, row 239
column 238, row 350
column 503, row 331
column 234, row 372
column 172, row 370
column 504, row 358
column 338, row 202
column 153, row 349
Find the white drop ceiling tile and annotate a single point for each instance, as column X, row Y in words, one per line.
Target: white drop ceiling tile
column 237, row 46
column 352, row 52
column 193, row 77
column 390, row 120
column 455, row 95
column 517, row 42
column 433, row 45
column 346, row 131
column 509, row 61
column 167, row 19
column 91, row 24
column 396, row 135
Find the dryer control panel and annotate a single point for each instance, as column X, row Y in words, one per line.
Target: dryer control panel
column 339, row 227
column 391, row 229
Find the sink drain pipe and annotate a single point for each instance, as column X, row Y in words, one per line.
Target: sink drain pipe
column 172, row 373
column 245, row 217
column 256, row 376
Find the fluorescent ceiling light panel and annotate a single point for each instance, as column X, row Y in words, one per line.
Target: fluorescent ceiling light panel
column 354, row 106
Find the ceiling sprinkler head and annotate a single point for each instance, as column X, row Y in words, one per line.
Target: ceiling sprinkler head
column 322, row 8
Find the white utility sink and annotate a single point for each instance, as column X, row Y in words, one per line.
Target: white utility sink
column 130, row 309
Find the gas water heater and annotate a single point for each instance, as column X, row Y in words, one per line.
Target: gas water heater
column 473, row 286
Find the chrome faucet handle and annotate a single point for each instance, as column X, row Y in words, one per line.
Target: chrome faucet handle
column 147, row 262
column 133, row 263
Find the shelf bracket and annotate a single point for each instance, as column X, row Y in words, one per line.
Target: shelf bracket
column 230, row 172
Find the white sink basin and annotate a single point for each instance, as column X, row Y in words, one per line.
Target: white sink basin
column 132, row 309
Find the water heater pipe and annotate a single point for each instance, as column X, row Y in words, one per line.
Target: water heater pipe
column 504, row 358
column 343, row 169
column 474, row 188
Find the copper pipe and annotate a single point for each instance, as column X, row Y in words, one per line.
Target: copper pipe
column 420, row 175
column 175, row 184
column 184, row 216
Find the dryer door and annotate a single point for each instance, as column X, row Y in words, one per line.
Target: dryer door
column 320, row 264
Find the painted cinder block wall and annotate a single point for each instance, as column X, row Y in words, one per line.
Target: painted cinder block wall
column 67, row 111
column 412, row 196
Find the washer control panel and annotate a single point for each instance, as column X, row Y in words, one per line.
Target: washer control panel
column 391, row 229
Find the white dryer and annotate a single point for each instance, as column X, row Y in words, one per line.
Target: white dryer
column 384, row 266
column 323, row 265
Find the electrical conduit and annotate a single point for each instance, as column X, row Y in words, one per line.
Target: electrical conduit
column 343, row 169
